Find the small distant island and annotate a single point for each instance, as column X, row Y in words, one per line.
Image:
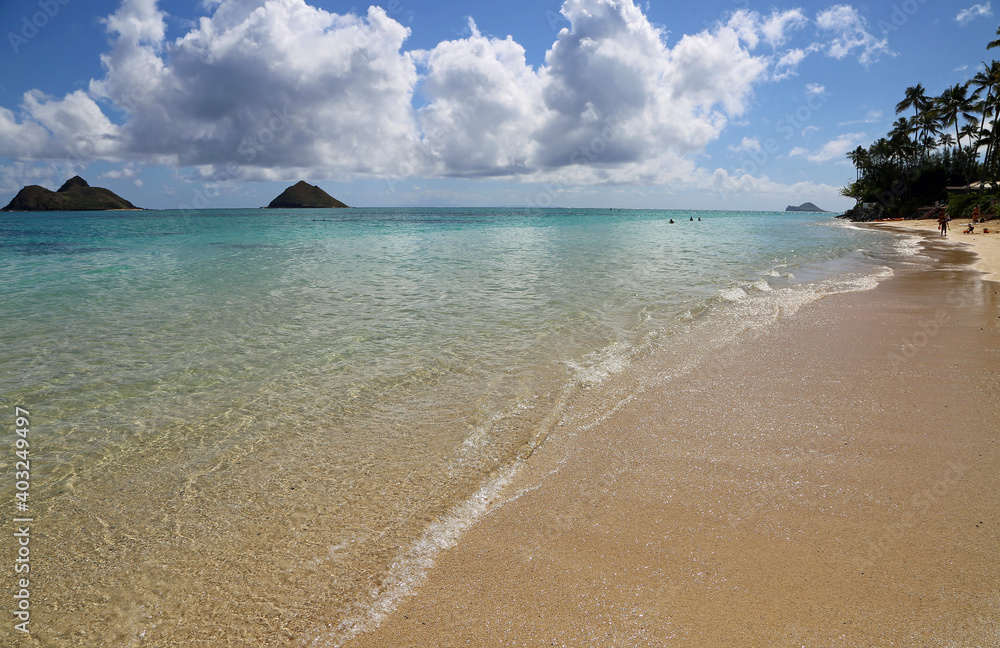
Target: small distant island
column 304, row 195
column 74, row 195
column 805, row 207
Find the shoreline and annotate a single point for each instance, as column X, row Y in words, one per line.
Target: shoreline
column 832, row 481
column 329, row 509
column 986, row 246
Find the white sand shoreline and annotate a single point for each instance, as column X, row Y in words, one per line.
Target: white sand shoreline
column 832, row 483
column 986, row 246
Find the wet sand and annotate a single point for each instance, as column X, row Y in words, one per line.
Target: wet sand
column 985, row 245
column 831, row 481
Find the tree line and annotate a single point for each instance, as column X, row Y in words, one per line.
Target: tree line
column 950, row 140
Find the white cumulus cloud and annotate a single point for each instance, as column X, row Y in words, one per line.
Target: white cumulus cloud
column 486, row 104
column 777, row 26
column 747, row 145
column 612, row 99
column 848, row 35
column 73, row 128
column 835, row 149
column 966, row 16
column 280, row 89
column 271, row 85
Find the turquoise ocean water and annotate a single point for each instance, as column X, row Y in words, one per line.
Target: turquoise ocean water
column 258, row 426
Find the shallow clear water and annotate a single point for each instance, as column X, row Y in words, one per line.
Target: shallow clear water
column 241, row 420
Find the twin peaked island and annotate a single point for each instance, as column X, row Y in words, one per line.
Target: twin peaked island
column 74, row 195
column 77, row 195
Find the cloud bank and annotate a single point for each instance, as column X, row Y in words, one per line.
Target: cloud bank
column 278, row 89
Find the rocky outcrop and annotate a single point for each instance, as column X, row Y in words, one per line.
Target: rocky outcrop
column 304, row 195
column 804, row 207
column 74, row 195
column 865, row 213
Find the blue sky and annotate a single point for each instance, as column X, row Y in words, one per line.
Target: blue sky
column 723, row 104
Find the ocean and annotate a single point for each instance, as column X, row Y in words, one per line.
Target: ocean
column 258, row 427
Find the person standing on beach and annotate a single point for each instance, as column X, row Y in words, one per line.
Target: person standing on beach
column 943, row 223
column 975, row 214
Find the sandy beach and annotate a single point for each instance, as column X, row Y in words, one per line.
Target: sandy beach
column 829, row 481
column 986, row 246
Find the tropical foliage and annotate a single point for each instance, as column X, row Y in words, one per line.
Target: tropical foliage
column 949, row 140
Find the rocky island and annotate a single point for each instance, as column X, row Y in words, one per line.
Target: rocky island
column 804, row 207
column 74, row 195
column 304, row 195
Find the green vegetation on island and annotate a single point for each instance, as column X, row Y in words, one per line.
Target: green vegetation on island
column 804, row 207
column 304, row 195
column 943, row 149
column 74, row 195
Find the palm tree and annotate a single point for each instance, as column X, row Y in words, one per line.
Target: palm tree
column 928, row 125
column 971, row 133
column 859, row 157
column 881, row 152
column 994, row 43
column 973, row 136
column 916, row 98
column 901, row 129
column 955, row 101
column 923, row 137
column 988, row 80
column 901, row 146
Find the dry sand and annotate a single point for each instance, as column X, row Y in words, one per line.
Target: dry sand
column 986, row 246
column 834, row 481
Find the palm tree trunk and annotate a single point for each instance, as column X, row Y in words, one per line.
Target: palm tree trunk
column 982, row 126
column 988, row 161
